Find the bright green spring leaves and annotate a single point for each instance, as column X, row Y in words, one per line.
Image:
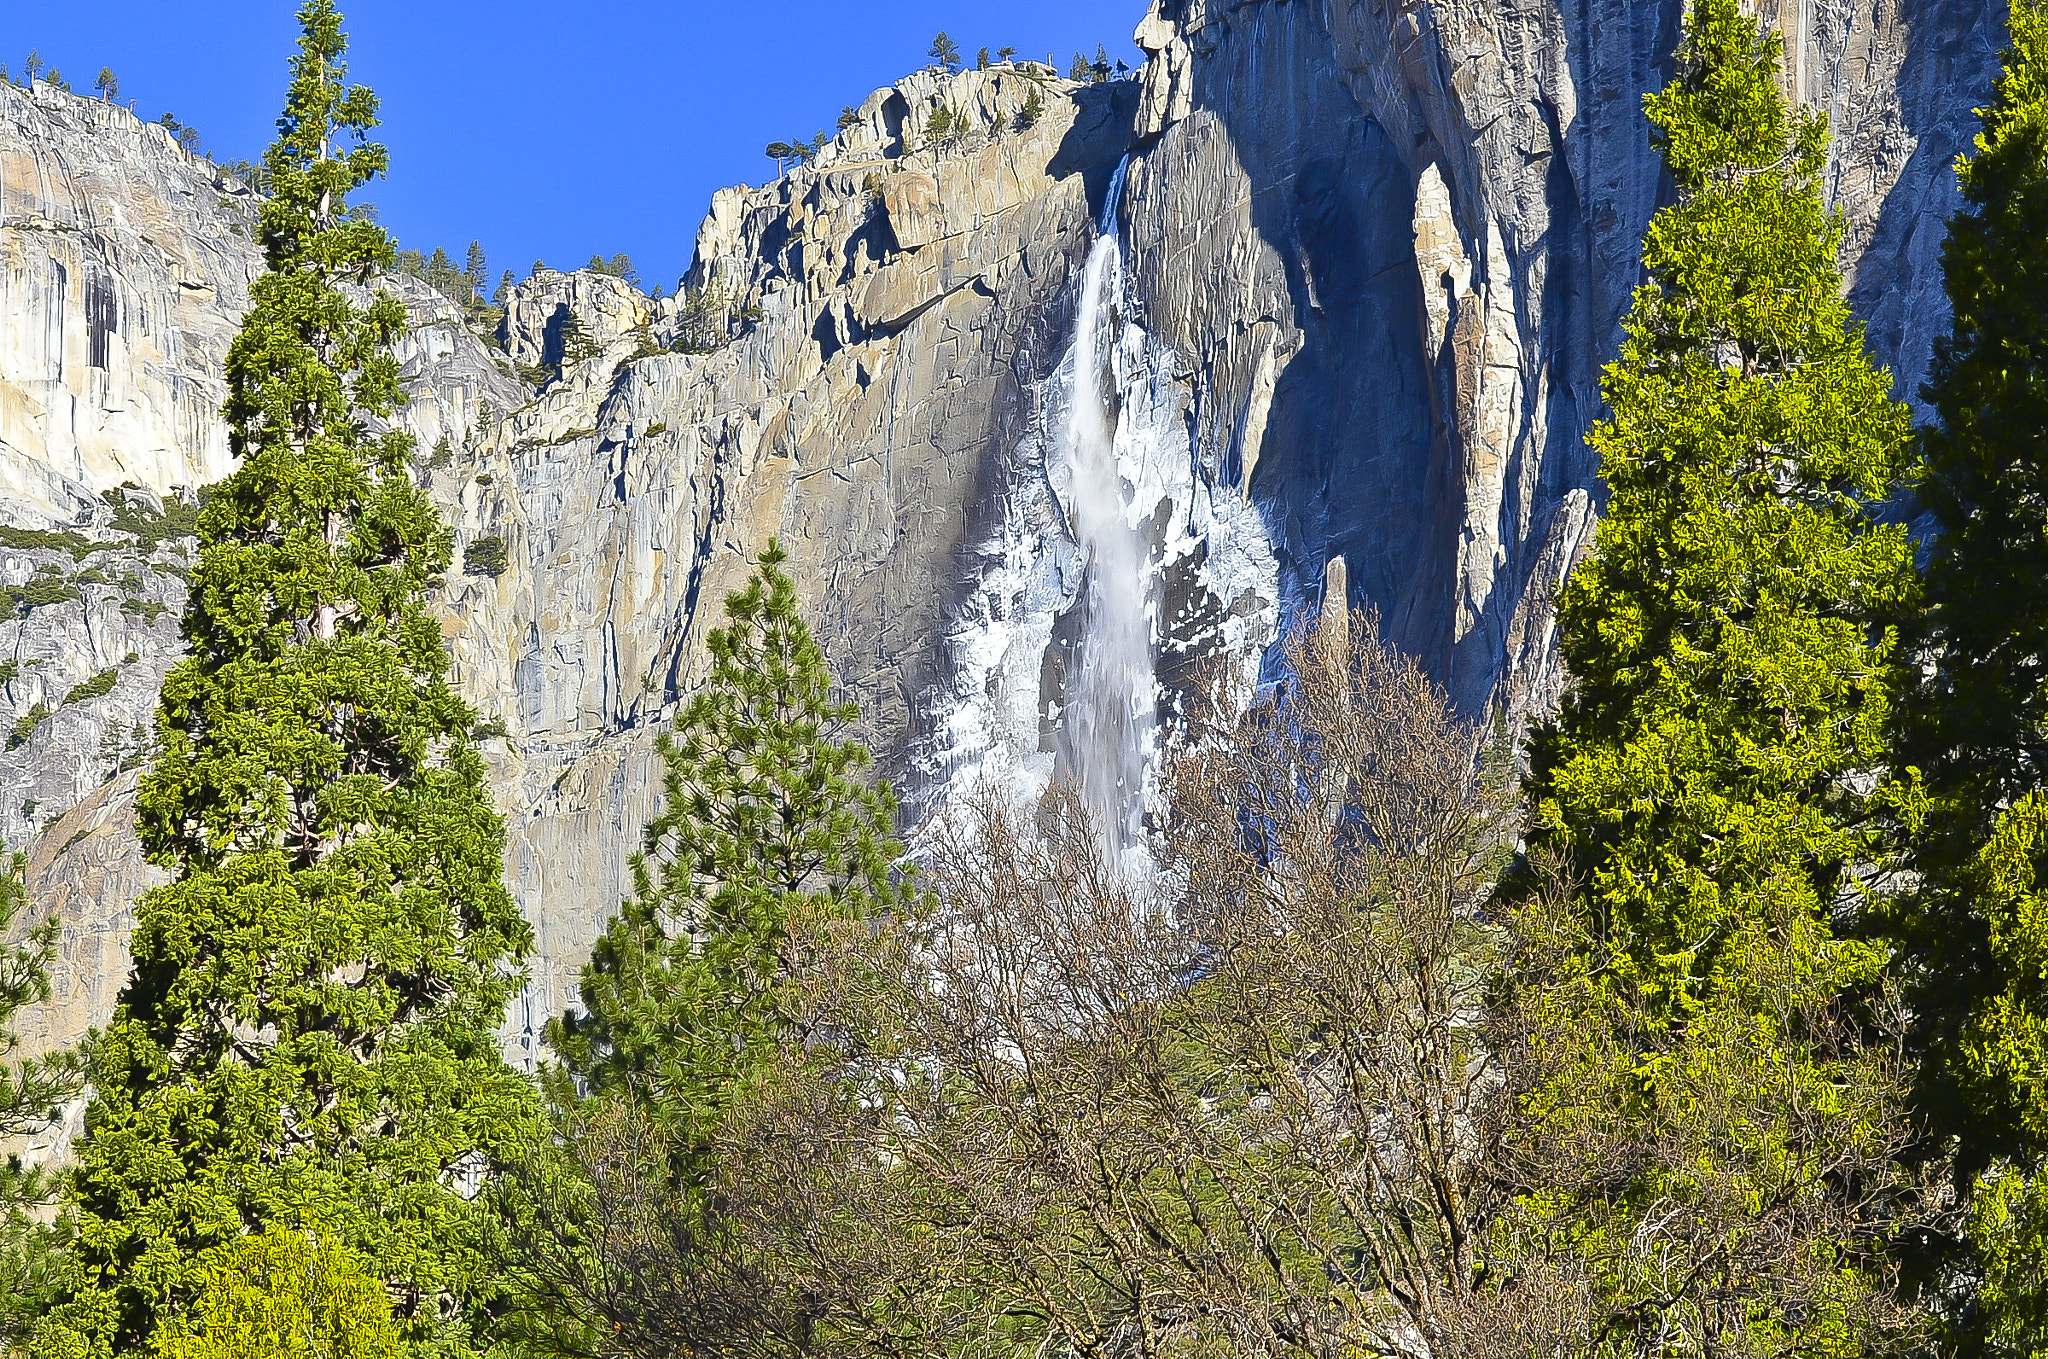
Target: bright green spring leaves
column 764, row 823
column 289, row 1293
column 1708, row 788
column 1976, row 724
column 309, row 1028
column 2003, row 1061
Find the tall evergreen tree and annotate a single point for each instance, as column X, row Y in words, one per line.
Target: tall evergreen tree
column 477, row 271
column 1708, row 785
column 764, row 822
column 307, row 1033
column 1976, row 723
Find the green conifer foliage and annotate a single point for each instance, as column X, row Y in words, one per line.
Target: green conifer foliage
column 1976, row 725
column 764, row 822
column 1728, row 681
column 1707, row 787
column 30, row 1090
column 308, row 1029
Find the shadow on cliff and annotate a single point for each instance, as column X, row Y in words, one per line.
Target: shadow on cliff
column 1955, row 44
column 1099, row 139
column 1349, row 461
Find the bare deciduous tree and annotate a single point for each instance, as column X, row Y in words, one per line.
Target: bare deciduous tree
column 1297, row 1093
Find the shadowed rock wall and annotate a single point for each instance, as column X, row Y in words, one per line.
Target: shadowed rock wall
column 1397, row 240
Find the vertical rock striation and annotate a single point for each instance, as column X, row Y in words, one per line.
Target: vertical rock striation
column 1397, row 240
column 1374, row 254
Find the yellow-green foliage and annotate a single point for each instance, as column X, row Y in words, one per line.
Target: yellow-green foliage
column 1727, row 676
column 1976, row 722
column 2004, row 1053
column 2009, row 1223
column 1708, row 786
column 287, row 1294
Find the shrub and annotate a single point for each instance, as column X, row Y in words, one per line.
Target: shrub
column 26, row 724
column 99, row 686
column 134, row 514
column 286, row 1295
column 485, row 557
column 47, row 540
column 35, row 594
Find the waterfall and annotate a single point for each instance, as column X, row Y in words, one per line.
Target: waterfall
column 1112, row 699
column 1067, row 617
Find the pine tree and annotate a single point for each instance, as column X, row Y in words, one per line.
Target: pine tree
column 945, row 54
column 30, row 1091
column 1976, row 724
column 443, row 278
column 33, row 67
column 764, row 824
column 1033, row 110
column 477, row 271
column 1708, row 784
column 108, row 84
column 308, row 1032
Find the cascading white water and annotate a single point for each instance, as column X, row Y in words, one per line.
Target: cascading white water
column 1112, row 691
column 1052, row 656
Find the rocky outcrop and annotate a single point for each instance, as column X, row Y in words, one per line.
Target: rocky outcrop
column 1374, row 255
column 850, row 414
column 1397, row 239
column 124, row 270
column 856, row 383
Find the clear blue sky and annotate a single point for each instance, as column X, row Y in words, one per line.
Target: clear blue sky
column 547, row 131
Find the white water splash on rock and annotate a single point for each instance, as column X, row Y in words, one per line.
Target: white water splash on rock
column 1113, row 553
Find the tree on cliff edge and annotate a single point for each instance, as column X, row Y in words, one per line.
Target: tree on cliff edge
column 307, row 1033
column 1976, row 725
column 1718, row 1124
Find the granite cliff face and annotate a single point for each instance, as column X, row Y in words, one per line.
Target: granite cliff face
column 1368, row 260
column 1397, row 240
